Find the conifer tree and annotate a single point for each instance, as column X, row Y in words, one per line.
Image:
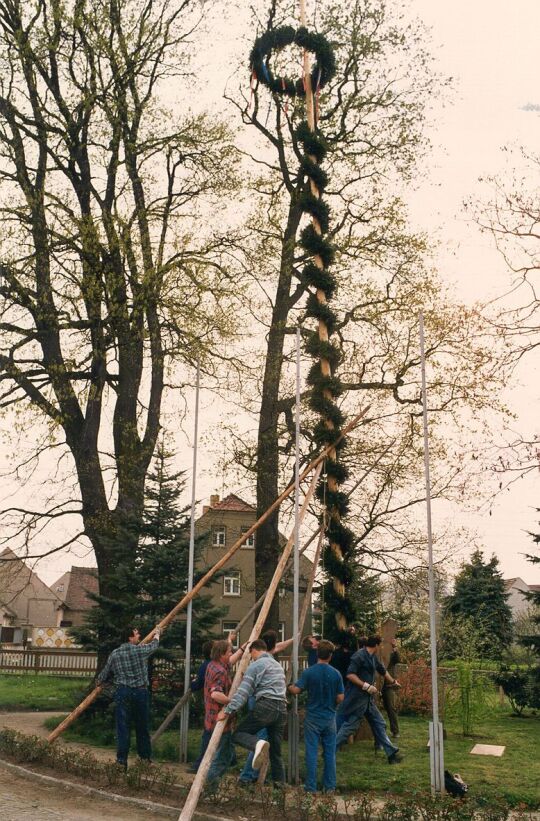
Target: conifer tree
column 479, row 598
column 150, row 587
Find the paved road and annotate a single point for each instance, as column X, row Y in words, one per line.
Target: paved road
column 22, row 800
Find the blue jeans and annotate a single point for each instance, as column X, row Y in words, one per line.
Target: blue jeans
column 324, row 732
column 248, row 774
column 348, row 722
column 221, row 761
column 270, row 714
column 132, row 705
column 205, row 738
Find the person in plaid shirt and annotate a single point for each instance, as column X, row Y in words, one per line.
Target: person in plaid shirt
column 217, row 683
column 128, row 667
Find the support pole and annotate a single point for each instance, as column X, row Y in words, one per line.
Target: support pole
column 198, row 782
column 436, row 746
column 184, row 713
column 91, row 697
column 294, row 724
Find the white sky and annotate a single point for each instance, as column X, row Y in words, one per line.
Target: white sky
column 491, row 51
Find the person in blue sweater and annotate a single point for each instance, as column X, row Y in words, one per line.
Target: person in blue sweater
column 324, row 687
column 265, row 680
column 248, row 774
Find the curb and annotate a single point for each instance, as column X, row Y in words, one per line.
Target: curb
column 166, row 810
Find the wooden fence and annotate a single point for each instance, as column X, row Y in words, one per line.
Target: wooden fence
column 77, row 663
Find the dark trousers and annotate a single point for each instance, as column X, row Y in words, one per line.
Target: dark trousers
column 271, row 714
column 132, row 706
column 389, row 702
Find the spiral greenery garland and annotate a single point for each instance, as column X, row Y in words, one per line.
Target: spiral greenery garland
column 325, row 383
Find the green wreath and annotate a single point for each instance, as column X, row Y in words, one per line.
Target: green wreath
column 275, row 40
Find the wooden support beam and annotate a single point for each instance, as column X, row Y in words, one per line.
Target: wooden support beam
column 207, row 576
column 198, row 782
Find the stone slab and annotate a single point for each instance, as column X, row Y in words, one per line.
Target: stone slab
column 488, row 749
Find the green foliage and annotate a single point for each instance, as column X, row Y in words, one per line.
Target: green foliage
column 523, row 687
column 150, row 583
column 479, row 599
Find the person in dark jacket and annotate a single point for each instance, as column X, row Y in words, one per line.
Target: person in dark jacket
column 359, row 699
column 196, row 685
column 389, row 691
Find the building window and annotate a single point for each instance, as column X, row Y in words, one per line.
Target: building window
column 250, row 541
column 60, row 588
column 7, row 634
column 281, row 592
column 281, row 631
column 226, row 627
column 64, row 623
column 218, row 537
column 231, row 583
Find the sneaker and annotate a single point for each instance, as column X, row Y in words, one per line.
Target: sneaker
column 122, row 765
column 395, row 735
column 260, row 756
column 395, row 758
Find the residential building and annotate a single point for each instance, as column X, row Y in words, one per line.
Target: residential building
column 26, row 602
column 516, row 600
column 75, row 588
column 221, row 524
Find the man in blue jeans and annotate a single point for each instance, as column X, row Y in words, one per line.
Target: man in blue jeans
column 359, row 699
column 128, row 667
column 324, row 687
column 249, row 775
column 265, row 680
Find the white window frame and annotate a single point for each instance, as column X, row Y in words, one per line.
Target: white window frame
column 281, row 631
column 229, row 583
column 225, row 630
column 250, row 541
column 219, row 536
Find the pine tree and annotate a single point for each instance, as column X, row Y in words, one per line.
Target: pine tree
column 147, row 588
column 479, row 598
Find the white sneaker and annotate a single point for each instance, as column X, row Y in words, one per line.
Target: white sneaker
column 260, row 755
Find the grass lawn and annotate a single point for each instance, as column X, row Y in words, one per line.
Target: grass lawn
column 515, row 777
column 27, row 691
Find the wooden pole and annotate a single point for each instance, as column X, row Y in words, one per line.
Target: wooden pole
column 261, row 778
column 206, row 578
column 198, row 782
column 172, row 715
column 186, row 696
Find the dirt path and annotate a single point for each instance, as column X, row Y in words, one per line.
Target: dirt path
column 33, row 724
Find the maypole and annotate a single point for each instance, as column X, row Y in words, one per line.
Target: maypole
column 321, row 284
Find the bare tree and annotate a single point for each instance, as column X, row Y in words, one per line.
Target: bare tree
column 372, row 117
column 104, row 286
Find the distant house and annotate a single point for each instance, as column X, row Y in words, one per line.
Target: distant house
column 26, row 603
column 221, row 524
column 75, row 587
column 516, row 600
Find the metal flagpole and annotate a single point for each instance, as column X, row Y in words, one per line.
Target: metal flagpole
column 294, row 724
column 436, row 743
column 184, row 715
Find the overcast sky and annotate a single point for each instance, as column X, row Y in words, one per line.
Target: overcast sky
column 491, row 51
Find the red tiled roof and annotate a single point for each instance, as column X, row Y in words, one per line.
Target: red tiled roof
column 233, row 502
